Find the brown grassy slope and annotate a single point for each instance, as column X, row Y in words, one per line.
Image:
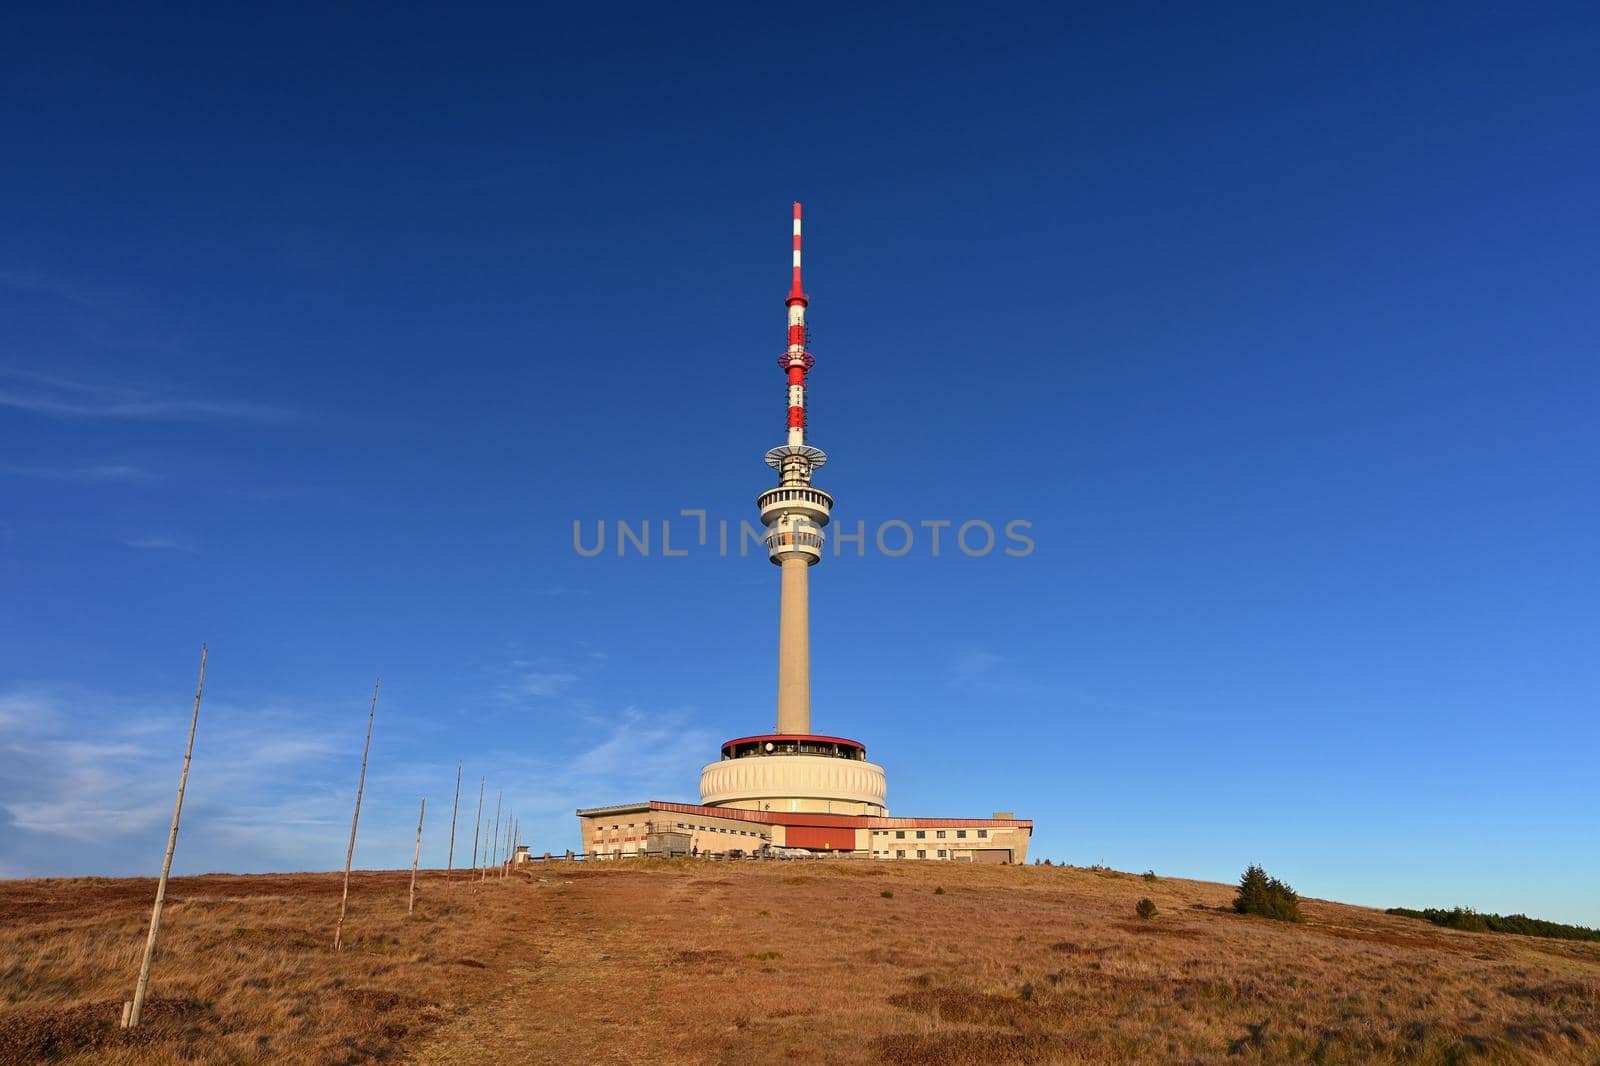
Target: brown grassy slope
column 245, row 970
column 697, row 962
column 810, row 963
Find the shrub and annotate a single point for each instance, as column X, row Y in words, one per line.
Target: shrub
column 1267, row 897
column 1146, row 908
column 887, row 894
column 939, row 891
column 1465, row 918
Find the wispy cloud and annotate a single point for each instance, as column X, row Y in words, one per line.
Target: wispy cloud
column 35, row 283
column 160, row 542
column 87, row 782
column 57, row 397
column 536, row 684
column 89, row 474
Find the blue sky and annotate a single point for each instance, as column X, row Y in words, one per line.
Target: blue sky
column 317, row 334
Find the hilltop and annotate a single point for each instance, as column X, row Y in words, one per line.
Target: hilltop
column 699, row 962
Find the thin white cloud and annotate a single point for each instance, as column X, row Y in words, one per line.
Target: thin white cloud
column 160, row 542
column 58, row 397
column 91, row 474
column 537, row 684
column 36, row 284
column 87, row 779
column 261, row 776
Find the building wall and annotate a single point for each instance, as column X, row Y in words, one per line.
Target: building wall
column 950, row 843
column 622, row 834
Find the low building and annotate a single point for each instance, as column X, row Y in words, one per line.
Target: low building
column 656, row 827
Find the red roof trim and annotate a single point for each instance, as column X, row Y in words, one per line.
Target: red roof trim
column 795, row 736
column 840, row 821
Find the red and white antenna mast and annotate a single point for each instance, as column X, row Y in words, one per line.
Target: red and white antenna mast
column 796, row 361
column 794, row 514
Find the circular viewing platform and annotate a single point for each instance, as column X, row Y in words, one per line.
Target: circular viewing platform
column 794, row 744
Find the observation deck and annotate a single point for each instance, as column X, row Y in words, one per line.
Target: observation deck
column 795, row 772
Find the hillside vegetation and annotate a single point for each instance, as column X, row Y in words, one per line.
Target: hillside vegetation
column 1469, row 920
column 844, row 962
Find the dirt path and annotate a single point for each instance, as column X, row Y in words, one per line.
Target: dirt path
column 599, row 981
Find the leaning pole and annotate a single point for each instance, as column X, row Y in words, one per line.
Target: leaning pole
column 344, row 900
column 134, row 1010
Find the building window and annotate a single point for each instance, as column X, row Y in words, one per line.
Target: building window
column 941, row 853
column 900, row 854
column 899, row 834
column 961, row 834
column 921, row 854
column 922, row 834
column 940, row 834
column 983, row 832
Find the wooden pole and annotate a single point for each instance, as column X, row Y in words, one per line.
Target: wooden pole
column 132, row 1013
column 477, row 825
column 350, row 852
column 450, row 860
column 494, row 838
column 411, row 904
column 505, row 858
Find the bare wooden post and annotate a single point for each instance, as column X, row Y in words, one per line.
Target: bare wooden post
column 411, row 904
column 483, row 860
column 477, row 826
column 131, row 1012
column 344, row 900
column 494, row 837
column 505, row 857
column 450, row 860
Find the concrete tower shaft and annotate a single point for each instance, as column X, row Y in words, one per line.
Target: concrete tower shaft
column 794, row 513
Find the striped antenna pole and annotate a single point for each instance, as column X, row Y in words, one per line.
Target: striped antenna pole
column 796, row 360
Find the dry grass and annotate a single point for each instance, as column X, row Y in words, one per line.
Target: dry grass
column 245, row 970
column 686, row 962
